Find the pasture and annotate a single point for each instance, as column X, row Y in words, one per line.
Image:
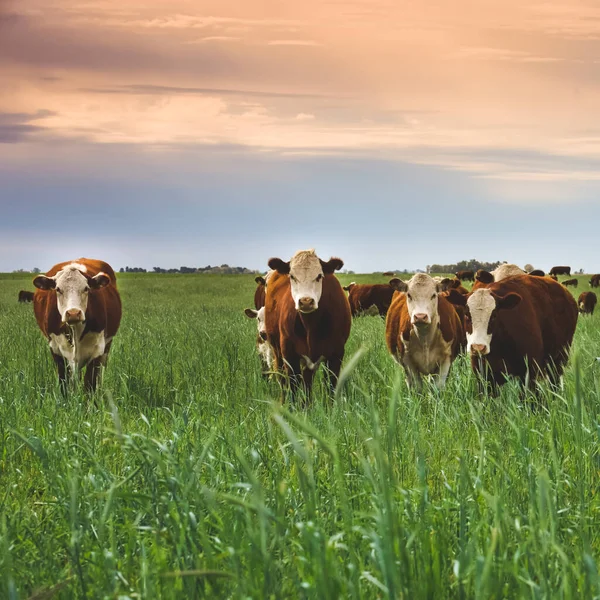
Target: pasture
column 188, row 479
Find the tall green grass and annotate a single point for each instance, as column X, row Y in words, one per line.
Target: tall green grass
column 186, row 479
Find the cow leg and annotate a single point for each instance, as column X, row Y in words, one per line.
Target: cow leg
column 413, row 377
column 92, row 373
column 440, row 380
column 61, row 366
column 334, row 366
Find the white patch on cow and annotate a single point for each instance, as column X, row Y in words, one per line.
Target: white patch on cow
column 71, row 290
column 265, row 350
column 76, row 265
column 506, row 270
column 76, row 351
column 422, row 300
column 306, row 280
column 481, row 304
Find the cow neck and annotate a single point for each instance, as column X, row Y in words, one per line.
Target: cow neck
column 427, row 337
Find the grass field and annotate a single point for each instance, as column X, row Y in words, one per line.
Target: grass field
column 189, row 480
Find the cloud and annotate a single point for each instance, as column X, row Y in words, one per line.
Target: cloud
column 293, row 43
column 304, row 117
column 17, row 127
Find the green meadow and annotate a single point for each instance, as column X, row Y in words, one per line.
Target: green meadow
column 184, row 477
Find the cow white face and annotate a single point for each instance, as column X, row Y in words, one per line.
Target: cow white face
column 306, row 271
column 72, row 286
column 421, row 298
column 259, row 315
column 480, row 318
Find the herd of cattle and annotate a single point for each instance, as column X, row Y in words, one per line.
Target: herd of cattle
column 511, row 323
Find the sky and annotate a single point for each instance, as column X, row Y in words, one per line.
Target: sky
column 391, row 133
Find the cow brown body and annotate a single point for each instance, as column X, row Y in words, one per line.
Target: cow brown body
column 560, row 270
column 570, row 283
column 465, row 275
column 259, row 293
column 102, row 319
column 595, row 281
column 423, row 353
column 532, row 337
column 302, row 341
column 363, row 297
column 25, row 296
column 587, row 303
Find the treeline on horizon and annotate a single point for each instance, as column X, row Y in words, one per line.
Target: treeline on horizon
column 464, row 265
column 186, row 270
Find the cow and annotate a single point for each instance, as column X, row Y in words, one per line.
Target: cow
column 587, row 302
column 265, row 351
column 308, row 318
column 423, row 332
column 570, row 282
column 561, row 270
column 78, row 309
column 25, row 296
column 521, row 326
column 466, row 275
column 363, row 297
column 595, row 281
column 537, row 273
column 259, row 293
column 389, row 274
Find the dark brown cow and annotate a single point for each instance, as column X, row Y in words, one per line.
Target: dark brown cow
column 595, row 281
column 78, row 309
column 389, row 274
column 307, row 317
column 364, row 297
column 518, row 326
column 587, row 302
column 259, row 293
column 465, row 275
column 537, row 273
column 423, row 332
column 570, row 282
column 25, row 296
column 561, row 270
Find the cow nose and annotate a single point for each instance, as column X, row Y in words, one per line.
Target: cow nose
column 263, row 335
column 73, row 315
column 478, row 349
column 306, row 304
column 420, row 318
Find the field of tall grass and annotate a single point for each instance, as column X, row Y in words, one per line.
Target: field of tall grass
column 187, row 479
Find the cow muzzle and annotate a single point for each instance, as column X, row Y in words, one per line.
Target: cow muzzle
column 420, row 319
column 307, row 305
column 74, row 316
column 479, row 349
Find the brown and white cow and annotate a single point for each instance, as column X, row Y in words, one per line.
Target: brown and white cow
column 25, row 296
column 465, row 275
column 265, row 351
column 307, row 317
column 570, row 282
column 363, row 297
column 595, row 280
column 485, row 278
column 78, row 309
column 423, row 332
column 587, row 303
column 519, row 326
column 259, row 293
column 560, row 270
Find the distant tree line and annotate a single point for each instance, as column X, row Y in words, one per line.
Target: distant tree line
column 464, row 265
column 223, row 269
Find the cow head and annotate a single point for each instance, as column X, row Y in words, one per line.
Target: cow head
column 348, row 287
column 421, row 298
column 259, row 315
column 306, row 271
column 72, row 285
column 480, row 316
column 484, row 276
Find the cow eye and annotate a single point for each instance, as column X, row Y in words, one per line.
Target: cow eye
column 409, row 296
column 293, row 278
column 433, row 297
column 319, row 277
column 58, row 291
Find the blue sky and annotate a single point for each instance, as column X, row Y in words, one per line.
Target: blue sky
column 192, row 133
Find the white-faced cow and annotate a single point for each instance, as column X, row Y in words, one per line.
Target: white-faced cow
column 78, row 309
column 423, row 331
column 307, row 317
column 265, row 351
column 520, row 326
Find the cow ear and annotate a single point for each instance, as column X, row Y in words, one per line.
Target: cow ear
column 333, row 264
column 454, row 283
column 398, row 284
column 251, row 314
column 455, row 297
column 484, row 276
column 99, row 281
column 278, row 265
column 260, row 280
column 507, row 302
column 44, row 283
